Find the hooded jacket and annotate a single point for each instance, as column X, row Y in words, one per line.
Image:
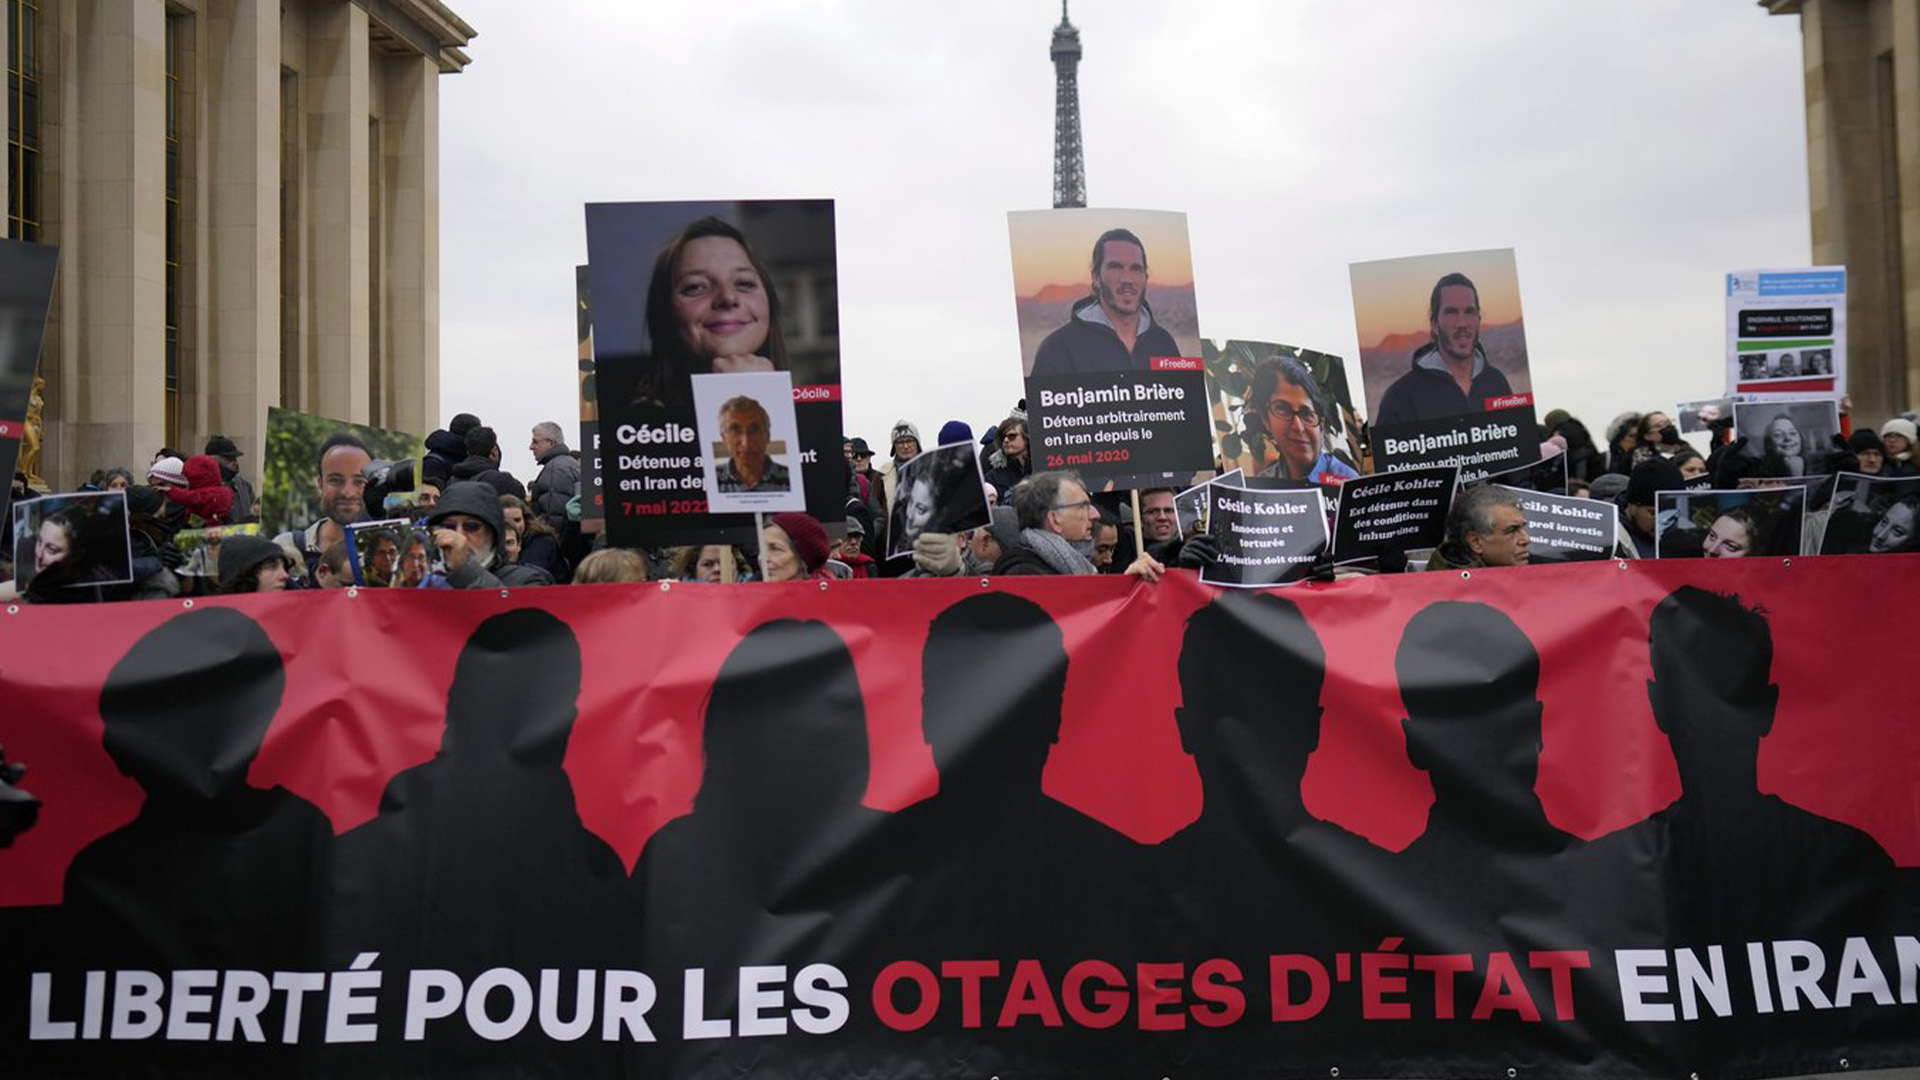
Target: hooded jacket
column 206, row 495
column 447, row 448
column 481, row 501
column 1088, row 344
column 1427, row 391
column 481, row 467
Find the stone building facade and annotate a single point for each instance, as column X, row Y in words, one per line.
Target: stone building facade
column 1862, row 61
column 245, row 194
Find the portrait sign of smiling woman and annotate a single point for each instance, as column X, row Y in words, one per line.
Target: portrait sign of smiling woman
column 685, row 291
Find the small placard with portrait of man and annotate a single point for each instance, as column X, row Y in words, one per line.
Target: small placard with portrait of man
column 751, row 442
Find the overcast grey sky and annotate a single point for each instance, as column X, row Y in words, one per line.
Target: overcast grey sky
column 1631, row 151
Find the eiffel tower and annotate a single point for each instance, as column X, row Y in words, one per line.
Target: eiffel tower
column 1069, row 168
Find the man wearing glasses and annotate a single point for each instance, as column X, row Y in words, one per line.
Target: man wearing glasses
column 467, row 526
column 746, row 430
column 1450, row 374
column 1056, row 531
column 1286, row 406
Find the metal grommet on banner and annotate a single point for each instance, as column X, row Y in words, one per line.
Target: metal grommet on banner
column 353, row 590
column 1623, row 564
column 1466, row 575
column 1845, row 1064
column 1786, row 563
column 13, row 609
column 1512, row 1072
column 823, row 586
column 1334, row 1072
column 186, row 603
column 666, row 586
column 503, row 594
column 1693, row 1076
column 983, row 583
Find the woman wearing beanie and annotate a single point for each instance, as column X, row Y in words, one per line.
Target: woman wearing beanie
column 794, row 547
column 1898, row 436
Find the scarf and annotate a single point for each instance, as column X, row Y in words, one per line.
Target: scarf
column 1058, row 554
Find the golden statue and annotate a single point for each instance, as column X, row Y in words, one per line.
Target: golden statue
column 31, row 435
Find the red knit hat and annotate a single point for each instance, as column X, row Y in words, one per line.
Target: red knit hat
column 809, row 538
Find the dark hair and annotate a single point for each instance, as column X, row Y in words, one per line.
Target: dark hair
column 1748, row 520
column 76, row 523
column 249, row 579
column 1100, row 245
column 1455, row 278
column 1266, row 383
column 532, row 524
column 1910, row 500
column 463, row 423
column 665, row 379
column 338, row 439
column 1766, row 433
column 481, row 441
column 333, row 557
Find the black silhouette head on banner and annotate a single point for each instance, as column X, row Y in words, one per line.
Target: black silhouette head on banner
column 1712, row 691
column 1251, row 670
column 189, row 705
column 496, row 709
column 785, row 727
column 994, row 675
column 1469, row 679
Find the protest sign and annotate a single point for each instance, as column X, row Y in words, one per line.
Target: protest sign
column 1872, row 515
column 1548, row 475
column 26, row 290
column 1443, row 356
column 201, row 547
column 1695, row 417
column 939, row 491
column 378, row 548
column 1110, row 344
column 1190, row 506
column 1787, row 332
column 749, row 441
column 593, row 509
column 69, row 541
column 316, row 469
column 1402, row 510
column 1729, row 524
column 1564, row 528
column 1266, row 537
column 1796, row 435
column 1281, row 410
column 717, row 288
column 677, row 807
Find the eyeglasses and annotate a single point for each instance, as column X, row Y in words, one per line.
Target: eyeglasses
column 1083, row 504
column 465, row 525
column 1282, row 414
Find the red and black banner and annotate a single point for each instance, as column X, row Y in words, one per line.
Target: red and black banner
column 1593, row 820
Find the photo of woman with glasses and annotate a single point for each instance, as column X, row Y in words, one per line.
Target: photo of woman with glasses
column 1286, row 408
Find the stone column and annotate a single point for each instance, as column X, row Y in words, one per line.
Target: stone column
column 1906, row 76
column 336, row 220
column 243, row 203
column 412, row 135
column 1849, row 195
column 119, row 258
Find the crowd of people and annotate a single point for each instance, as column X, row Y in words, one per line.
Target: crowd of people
column 474, row 525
